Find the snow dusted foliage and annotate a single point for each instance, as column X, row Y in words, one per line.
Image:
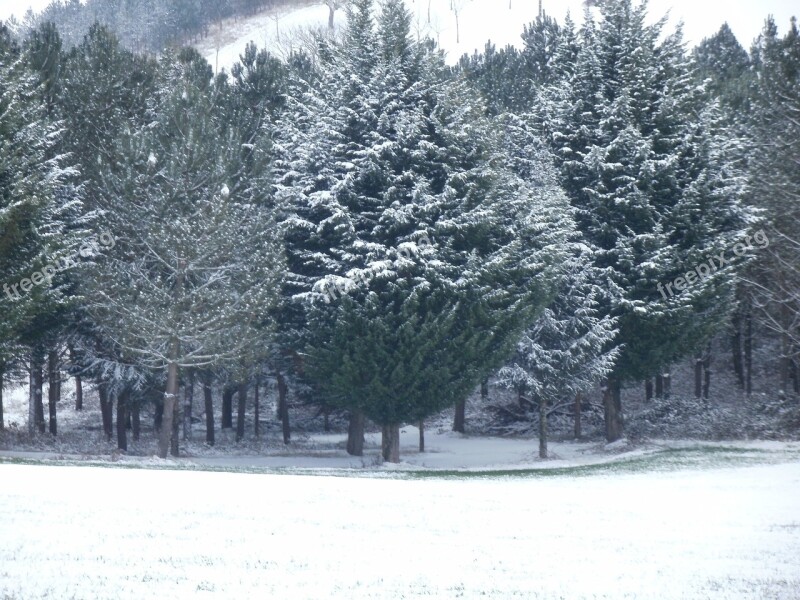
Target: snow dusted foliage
column 405, row 200
column 651, row 171
column 39, row 209
column 197, row 263
column 570, row 347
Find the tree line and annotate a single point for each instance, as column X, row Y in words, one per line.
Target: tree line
column 386, row 233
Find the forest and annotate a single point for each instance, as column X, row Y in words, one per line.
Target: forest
column 596, row 235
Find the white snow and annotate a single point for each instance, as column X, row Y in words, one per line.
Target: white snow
column 483, row 20
column 83, row 532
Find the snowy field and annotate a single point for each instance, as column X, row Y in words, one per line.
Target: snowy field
column 88, row 532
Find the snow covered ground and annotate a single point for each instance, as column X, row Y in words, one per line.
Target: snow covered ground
column 86, row 532
column 482, row 20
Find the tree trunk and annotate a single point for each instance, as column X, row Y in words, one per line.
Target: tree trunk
column 78, row 384
column 32, row 396
column 659, row 386
column 355, row 434
column 188, row 406
column 36, row 408
column 158, row 414
column 485, row 390
column 78, row 392
column 136, row 422
column 105, row 409
column 648, row 389
column 2, row 381
column 460, row 418
column 174, row 447
column 209, row 406
column 542, row 427
column 331, row 13
column 667, row 385
column 612, row 410
column 786, row 350
column 256, row 411
column 241, row 408
column 390, row 443
column 578, row 427
column 227, row 407
column 698, row 375
column 707, row 373
column 53, row 390
column 122, row 417
column 748, row 353
column 422, row 436
column 736, row 347
column 170, row 399
column 283, row 407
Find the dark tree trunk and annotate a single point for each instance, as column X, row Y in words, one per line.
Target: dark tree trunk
column 53, row 390
column 170, row 400
column 736, row 347
column 795, row 378
column 283, row 407
column 78, row 383
column 355, row 434
column 174, row 447
column 188, row 406
column 38, row 386
column 707, row 373
column 648, row 389
column 578, row 406
column 240, row 410
column 390, row 443
column 698, row 375
column 667, row 385
column 461, row 417
column 612, row 410
column 105, row 409
column 78, row 393
column 485, row 390
column 2, row 382
column 659, row 386
column 256, row 411
column 542, row 427
column 208, row 401
column 748, row 353
column 122, row 417
column 227, row 408
column 136, row 421
column 158, row 414
column 422, row 436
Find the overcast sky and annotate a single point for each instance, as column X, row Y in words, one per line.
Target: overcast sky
column 701, row 17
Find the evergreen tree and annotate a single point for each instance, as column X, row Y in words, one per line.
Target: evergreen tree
column 774, row 127
column 568, row 350
column 650, row 170
column 405, row 202
column 194, row 273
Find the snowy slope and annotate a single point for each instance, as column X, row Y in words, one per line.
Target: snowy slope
column 480, row 20
column 80, row 532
